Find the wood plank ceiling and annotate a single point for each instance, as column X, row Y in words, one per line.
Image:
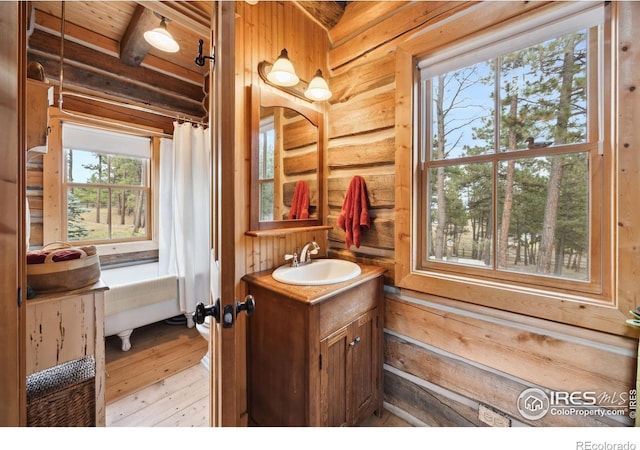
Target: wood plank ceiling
column 105, row 55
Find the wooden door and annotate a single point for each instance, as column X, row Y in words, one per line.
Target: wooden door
column 226, row 407
column 12, row 198
column 349, row 373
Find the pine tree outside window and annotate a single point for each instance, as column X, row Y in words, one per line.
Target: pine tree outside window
column 107, row 185
column 266, row 172
column 510, row 150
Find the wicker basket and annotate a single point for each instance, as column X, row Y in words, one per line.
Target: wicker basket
column 63, row 396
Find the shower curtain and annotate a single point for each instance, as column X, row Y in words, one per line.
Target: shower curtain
column 185, row 212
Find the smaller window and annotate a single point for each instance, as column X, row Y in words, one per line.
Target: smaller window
column 107, row 185
column 266, row 143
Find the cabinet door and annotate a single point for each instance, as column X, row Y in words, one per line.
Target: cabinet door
column 349, row 372
column 334, row 379
column 363, row 356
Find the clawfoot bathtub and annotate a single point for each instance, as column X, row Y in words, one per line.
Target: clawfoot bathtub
column 138, row 296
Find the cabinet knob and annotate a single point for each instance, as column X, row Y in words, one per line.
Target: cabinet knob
column 354, row 342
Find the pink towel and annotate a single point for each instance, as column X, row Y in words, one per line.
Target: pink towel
column 354, row 216
column 300, row 204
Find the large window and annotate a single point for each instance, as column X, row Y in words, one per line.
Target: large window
column 107, row 185
column 510, row 147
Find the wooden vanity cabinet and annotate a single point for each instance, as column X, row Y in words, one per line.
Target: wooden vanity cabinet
column 315, row 352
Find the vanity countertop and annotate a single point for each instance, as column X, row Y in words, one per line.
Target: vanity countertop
column 311, row 294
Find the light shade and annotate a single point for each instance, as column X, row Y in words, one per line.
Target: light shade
column 282, row 72
column 161, row 39
column 318, row 89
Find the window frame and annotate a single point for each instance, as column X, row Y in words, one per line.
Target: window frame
column 267, row 124
column 599, row 311
column 592, row 146
column 54, row 214
column 146, row 188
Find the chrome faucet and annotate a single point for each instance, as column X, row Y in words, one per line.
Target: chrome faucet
column 300, row 258
column 310, row 248
column 293, row 257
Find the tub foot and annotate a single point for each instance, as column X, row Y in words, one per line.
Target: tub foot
column 124, row 337
column 190, row 321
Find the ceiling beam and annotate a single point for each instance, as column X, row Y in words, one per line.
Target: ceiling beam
column 98, row 72
column 51, row 25
column 133, row 46
column 96, row 61
column 188, row 14
column 103, row 85
column 326, row 13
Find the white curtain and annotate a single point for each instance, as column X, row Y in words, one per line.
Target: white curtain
column 185, row 212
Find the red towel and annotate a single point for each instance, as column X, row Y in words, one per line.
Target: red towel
column 300, row 204
column 354, row 216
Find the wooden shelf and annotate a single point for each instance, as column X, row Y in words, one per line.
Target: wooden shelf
column 285, row 231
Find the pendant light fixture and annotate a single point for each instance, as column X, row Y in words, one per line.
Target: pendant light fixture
column 160, row 38
column 282, row 72
column 318, row 90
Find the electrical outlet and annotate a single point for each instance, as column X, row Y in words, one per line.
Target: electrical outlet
column 492, row 418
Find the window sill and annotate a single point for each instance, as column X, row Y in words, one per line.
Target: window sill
column 126, row 247
column 567, row 308
column 127, row 253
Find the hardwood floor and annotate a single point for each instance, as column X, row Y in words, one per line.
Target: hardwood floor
column 161, row 383
column 181, row 400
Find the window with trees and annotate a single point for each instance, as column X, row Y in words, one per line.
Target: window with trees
column 510, row 147
column 107, row 185
column 266, row 172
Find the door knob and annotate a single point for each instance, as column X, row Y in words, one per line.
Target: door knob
column 249, row 305
column 204, row 311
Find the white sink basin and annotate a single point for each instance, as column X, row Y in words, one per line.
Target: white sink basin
column 317, row 272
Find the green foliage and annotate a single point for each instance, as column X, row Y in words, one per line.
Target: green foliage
column 107, row 186
column 542, row 93
column 76, row 231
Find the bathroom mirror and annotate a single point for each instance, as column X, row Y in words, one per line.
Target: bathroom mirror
column 286, row 156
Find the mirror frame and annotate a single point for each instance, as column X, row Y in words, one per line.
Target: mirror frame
column 271, row 98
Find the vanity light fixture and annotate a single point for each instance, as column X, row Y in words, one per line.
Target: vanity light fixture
column 282, row 72
column 318, row 89
column 160, row 38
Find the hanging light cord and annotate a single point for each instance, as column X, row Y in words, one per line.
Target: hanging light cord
column 62, row 31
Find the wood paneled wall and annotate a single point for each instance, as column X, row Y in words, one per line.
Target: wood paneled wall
column 262, row 31
column 444, row 358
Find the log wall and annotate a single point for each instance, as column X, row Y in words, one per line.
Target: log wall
column 443, row 358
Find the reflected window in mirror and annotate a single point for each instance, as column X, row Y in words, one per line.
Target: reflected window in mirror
column 287, row 147
column 266, row 149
